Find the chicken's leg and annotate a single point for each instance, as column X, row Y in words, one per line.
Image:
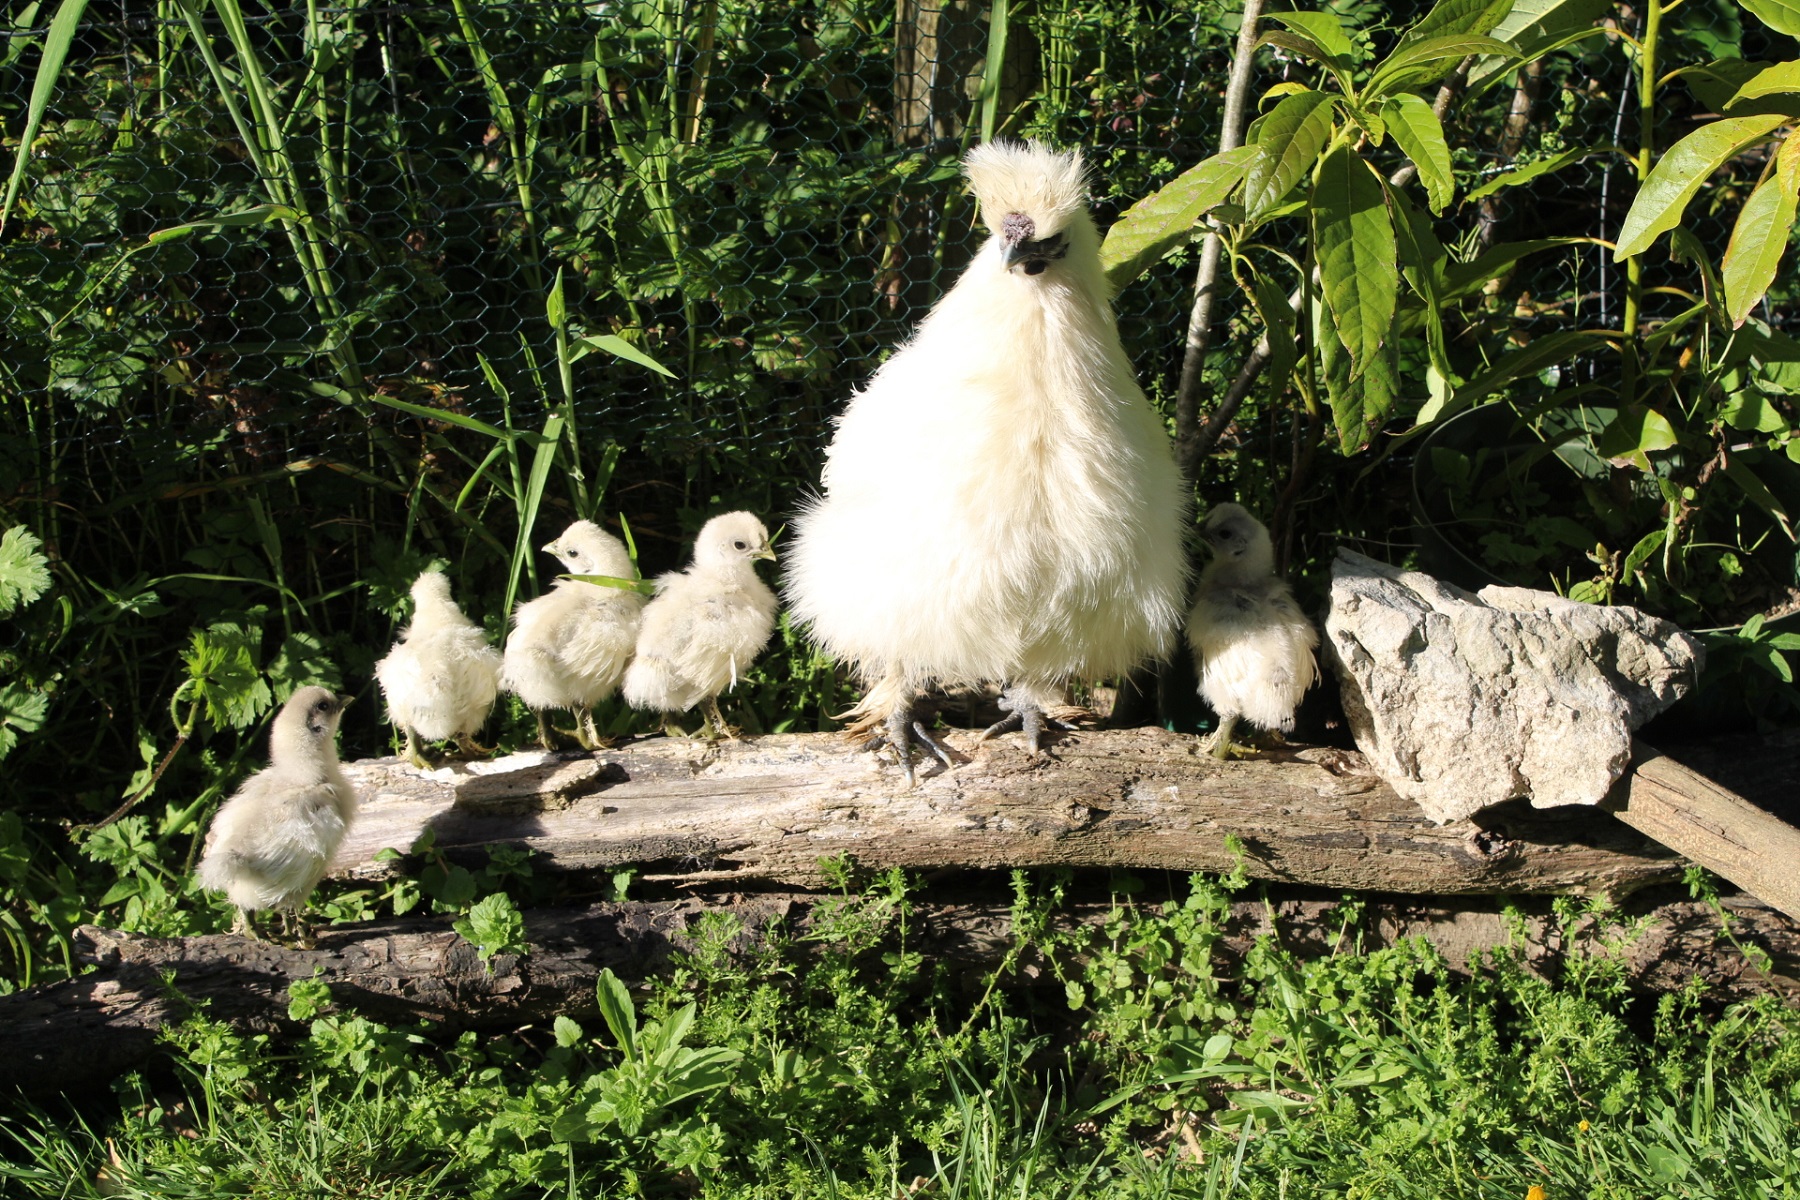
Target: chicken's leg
column 899, row 732
column 716, row 720
column 1023, row 713
column 413, row 754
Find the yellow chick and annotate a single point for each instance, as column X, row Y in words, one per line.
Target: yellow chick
column 441, row 677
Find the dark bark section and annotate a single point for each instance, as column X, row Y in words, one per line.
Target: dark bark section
column 767, row 811
column 86, row 1031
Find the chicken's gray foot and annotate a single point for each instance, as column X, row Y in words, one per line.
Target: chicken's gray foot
column 901, row 731
column 1024, row 714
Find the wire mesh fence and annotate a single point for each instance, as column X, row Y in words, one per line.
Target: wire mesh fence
column 293, row 293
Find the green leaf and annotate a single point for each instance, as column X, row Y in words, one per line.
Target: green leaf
column 617, row 347
column 1278, row 326
column 24, row 571
column 1679, row 174
column 555, row 310
column 1758, row 491
column 1305, row 47
column 1414, row 64
column 1463, row 279
column 1420, row 256
column 1421, row 136
column 493, row 926
column 1635, row 432
column 1760, row 237
column 645, row 587
column 262, row 214
column 22, row 710
column 1325, row 31
column 617, row 1011
column 1451, row 17
column 1529, row 172
column 1353, row 238
column 1290, row 137
column 568, row 1032
column 1166, row 218
column 57, row 40
column 1750, row 410
column 1533, row 28
column 223, row 675
column 461, row 420
column 1360, row 403
column 1782, row 77
column 1715, row 83
column 1539, row 355
column 1781, row 15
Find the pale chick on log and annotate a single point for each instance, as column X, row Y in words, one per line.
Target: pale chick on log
column 706, row 624
column 270, row 844
column 1000, row 503
column 569, row 647
column 441, row 678
column 1253, row 647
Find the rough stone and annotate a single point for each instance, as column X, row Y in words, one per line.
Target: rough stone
column 1462, row 701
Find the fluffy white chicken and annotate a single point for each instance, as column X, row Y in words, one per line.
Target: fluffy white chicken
column 1001, row 502
column 706, row 624
column 569, row 647
column 1253, row 647
column 271, row 842
column 441, row 677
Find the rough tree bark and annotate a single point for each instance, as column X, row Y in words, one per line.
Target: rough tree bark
column 86, row 1031
column 769, row 810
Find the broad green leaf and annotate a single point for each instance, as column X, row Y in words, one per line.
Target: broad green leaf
column 1532, row 28
column 24, row 571
column 617, row 1011
column 1326, row 31
column 1714, row 83
column 1640, row 554
column 1450, row 17
column 1353, row 238
column 1164, row 219
column 618, row 347
column 1679, row 174
column 1463, row 279
column 1359, row 405
column 1278, row 326
column 1781, row 15
column 1782, row 77
column 1750, row 410
column 262, row 214
column 1290, row 137
column 1530, row 171
column 1760, row 237
column 555, row 309
column 1758, row 491
column 1420, row 253
column 1305, row 47
column 1421, row 136
column 1636, row 431
column 568, row 1032
column 1541, row 354
column 1416, row 63
column 57, row 40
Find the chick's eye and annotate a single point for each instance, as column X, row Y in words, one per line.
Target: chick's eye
column 740, row 545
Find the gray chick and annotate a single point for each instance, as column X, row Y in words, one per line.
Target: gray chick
column 441, row 678
column 271, row 842
column 569, row 647
column 706, row 624
column 1253, row 647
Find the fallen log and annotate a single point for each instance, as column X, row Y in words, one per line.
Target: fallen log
column 86, row 1031
column 769, row 810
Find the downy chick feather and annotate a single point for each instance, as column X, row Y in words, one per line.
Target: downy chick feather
column 442, row 676
column 569, row 647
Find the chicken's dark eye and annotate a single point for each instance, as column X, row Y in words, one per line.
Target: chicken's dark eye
column 740, row 545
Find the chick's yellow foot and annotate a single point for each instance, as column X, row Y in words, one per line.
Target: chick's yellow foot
column 1024, row 714
column 588, row 734
column 716, row 726
column 1221, row 747
column 471, row 748
column 414, row 755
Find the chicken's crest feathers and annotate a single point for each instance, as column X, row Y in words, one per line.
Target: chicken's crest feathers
column 1028, row 178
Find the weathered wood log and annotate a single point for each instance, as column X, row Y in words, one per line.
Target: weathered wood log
column 1718, row 829
column 772, row 808
column 86, row 1031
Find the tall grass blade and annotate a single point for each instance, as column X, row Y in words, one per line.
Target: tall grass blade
column 57, row 40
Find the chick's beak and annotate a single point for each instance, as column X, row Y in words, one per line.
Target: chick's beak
column 552, row 548
column 766, row 552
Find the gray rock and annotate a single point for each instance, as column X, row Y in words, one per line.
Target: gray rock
column 1464, row 701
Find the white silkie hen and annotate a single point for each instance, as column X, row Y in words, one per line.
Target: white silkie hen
column 271, row 842
column 1253, row 647
column 441, row 677
column 706, row 624
column 1000, row 503
column 569, row 647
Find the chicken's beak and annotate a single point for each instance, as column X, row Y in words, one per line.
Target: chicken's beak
column 345, row 702
column 766, row 552
column 554, row 548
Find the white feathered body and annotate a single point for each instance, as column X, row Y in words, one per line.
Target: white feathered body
column 702, row 629
column 1001, row 501
column 569, row 647
column 1253, row 649
column 442, row 677
column 271, row 843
